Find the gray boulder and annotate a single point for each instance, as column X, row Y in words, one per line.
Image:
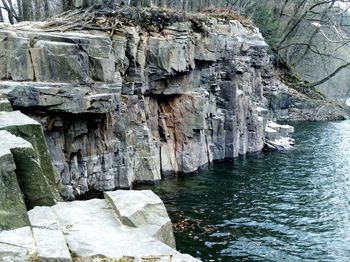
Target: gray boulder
column 143, row 209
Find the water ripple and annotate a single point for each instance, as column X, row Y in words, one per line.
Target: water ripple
column 291, row 206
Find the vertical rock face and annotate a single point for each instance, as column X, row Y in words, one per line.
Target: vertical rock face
column 138, row 104
column 13, row 210
column 27, row 177
column 34, row 169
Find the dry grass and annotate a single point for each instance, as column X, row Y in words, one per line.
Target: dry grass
column 227, row 14
column 150, row 19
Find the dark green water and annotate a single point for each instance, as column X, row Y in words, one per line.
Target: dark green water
column 291, row 206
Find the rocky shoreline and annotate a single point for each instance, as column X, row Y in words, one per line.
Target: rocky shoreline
column 139, row 104
column 125, row 226
column 100, row 108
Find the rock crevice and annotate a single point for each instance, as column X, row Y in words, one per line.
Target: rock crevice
column 135, row 104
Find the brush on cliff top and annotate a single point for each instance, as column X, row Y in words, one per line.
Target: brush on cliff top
column 152, row 19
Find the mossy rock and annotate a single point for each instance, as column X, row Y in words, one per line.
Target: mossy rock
column 5, row 105
column 36, row 173
column 13, row 212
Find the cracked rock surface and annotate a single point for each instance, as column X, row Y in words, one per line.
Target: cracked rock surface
column 137, row 104
column 96, row 229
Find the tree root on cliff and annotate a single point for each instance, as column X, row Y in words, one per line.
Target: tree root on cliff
column 101, row 18
column 104, row 19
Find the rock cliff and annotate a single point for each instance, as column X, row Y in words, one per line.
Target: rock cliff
column 139, row 100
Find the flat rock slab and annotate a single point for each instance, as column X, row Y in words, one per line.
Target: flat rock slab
column 282, row 130
column 9, row 141
column 61, row 97
column 43, row 217
column 15, row 118
column 51, row 245
column 17, row 245
column 138, row 208
column 93, row 230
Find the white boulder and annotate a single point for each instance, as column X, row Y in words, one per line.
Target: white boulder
column 143, row 209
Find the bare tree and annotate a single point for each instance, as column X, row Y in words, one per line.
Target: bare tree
column 27, row 10
column 7, row 5
column 1, row 16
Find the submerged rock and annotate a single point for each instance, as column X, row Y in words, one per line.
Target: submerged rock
column 278, row 136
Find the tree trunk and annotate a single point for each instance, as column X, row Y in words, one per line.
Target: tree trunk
column 27, row 10
column 1, row 16
column 46, row 9
column 10, row 11
column 323, row 80
column 36, row 10
column 20, row 10
column 67, row 4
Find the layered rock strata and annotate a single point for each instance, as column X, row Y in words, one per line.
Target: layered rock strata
column 135, row 104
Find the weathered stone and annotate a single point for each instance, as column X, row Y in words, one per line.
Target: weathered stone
column 35, row 171
column 51, row 245
column 13, row 212
column 93, row 231
column 43, row 217
column 60, row 97
column 101, row 234
column 5, row 105
column 17, row 245
column 172, row 54
column 141, row 103
column 15, row 59
column 278, row 136
column 282, row 130
column 143, row 208
column 59, row 62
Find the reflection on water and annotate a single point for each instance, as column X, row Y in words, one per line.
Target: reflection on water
column 291, row 206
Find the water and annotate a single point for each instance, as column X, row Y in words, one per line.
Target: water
column 291, row 206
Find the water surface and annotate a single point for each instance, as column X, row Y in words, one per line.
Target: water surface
column 291, row 206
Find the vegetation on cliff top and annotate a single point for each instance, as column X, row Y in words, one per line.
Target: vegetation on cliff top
column 311, row 36
column 152, row 19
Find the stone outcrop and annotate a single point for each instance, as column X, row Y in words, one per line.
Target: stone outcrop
column 27, row 176
column 131, row 106
column 96, row 230
column 35, row 173
column 13, row 210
